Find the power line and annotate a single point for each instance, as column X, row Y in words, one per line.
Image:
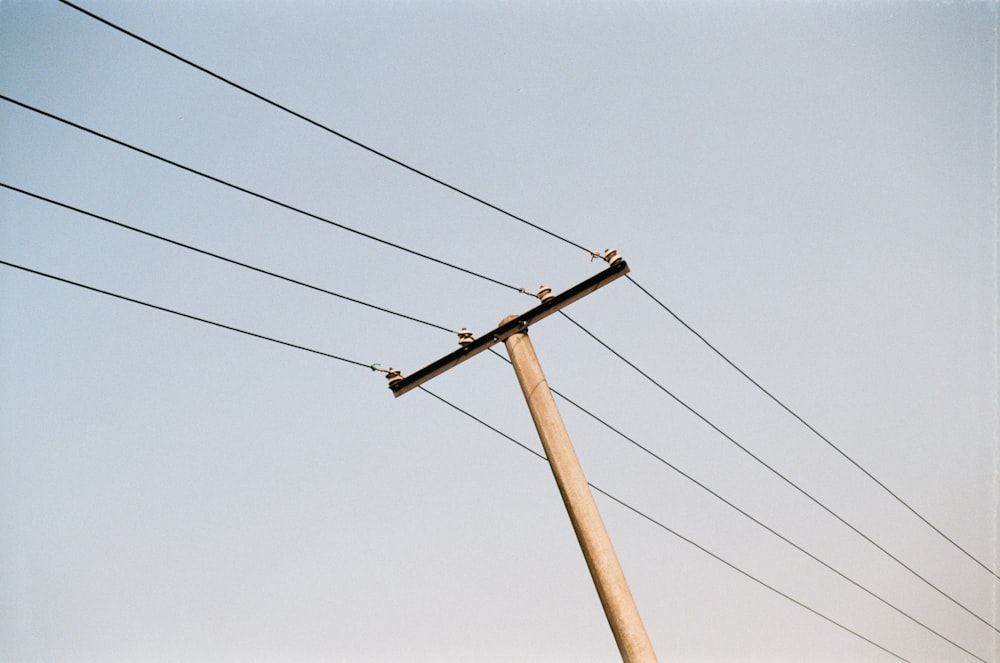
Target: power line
column 470, row 196
column 324, row 127
column 480, row 421
column 812, row 429
column 440, row 327
column 674, row 532
column 745, row 573
column 776, row 472
column 189, row 316
column 368, row 236
column 564, row 397
column 221, row 257
column 763, row 525
column 363, row 365
column 523, row 446
column 747, row 515
column 438, row 181
column 255, row 335
column 542, row 229
column 255, row 194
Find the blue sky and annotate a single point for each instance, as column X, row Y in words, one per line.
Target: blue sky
column 811, row 186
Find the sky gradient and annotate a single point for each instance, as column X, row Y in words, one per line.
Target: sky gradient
column 810, row 186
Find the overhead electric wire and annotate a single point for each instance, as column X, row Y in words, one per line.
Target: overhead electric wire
column 763, row 525
column 298, row 210
column 319, row 125
column 476, row 199
column 745, row 573
column 565, row 398
column 480, row 421
column 511, row 215
column 747, row 515
column 249, row 192
column 778, row 474
column 810, row 427
column 443, row 328
column 187, row 315
column 369, row 366
column 223, row 258
column 673, row 531
column 462, row 192
column 520, row 219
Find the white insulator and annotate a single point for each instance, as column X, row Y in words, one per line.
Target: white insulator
column 545, row 294
column 611, row 257
column 464, row 337
column 394, row 377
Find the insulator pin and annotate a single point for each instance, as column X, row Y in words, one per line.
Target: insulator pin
column 464, row 337
column 611, row 257
column 545, row 294
column 394, row 377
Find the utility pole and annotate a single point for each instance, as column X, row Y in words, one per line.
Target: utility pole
column 606, row 572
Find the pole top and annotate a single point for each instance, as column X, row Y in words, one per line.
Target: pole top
column 512, row 324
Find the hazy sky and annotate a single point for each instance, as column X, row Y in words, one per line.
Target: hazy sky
column 811, row 186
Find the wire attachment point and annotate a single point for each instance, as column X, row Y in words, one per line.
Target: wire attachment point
column 611, row 257
column 394, row 376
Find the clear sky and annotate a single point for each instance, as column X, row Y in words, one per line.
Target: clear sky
column 811, row 186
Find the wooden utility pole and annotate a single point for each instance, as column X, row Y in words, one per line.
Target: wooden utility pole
column 619, row 606
column 612, row 588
